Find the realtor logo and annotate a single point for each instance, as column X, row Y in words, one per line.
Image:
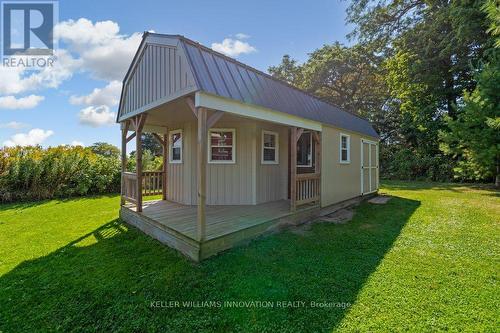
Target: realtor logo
column 28, row 30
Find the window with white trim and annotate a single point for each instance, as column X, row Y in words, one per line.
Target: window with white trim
column 175, row 146
column 221, row 145
column 304, row 150
column 270, row 147
column 345, row 148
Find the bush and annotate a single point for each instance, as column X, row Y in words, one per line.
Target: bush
column 34, row 173
column 403, row 163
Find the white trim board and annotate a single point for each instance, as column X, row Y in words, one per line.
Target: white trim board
column 252, row 111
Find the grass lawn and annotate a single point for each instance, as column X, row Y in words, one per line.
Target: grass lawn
column 427, row 260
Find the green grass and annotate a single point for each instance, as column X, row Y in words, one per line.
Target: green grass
column 427, row 260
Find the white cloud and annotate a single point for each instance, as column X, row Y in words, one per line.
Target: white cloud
column 104, row 52
column 14, row 125
column 34, row 137
column 28, row 102
column 234, row 47
column 17, row 80
column 75, row 143
column 241, row 36
column 96, row 116
column 109, row 96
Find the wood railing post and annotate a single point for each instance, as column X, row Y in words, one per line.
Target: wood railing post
column 202, row 173
column 293, row 168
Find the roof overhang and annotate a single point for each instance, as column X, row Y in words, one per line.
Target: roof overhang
column 202, row 99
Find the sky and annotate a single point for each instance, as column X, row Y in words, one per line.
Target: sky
column 75, row 101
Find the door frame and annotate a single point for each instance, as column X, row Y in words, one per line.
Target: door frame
column 370, row 167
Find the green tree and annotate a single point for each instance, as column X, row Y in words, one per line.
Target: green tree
column 474, row 137
column 349, row 77
column 105, row 149
column 150, row 143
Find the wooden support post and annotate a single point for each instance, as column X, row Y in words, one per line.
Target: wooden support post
column 202, row 173
column 139, row 124
column 293, row 168
column 124, row 160
column 165, row 163
column 317, row 137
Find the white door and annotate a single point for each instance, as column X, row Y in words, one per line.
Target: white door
column 369, row 166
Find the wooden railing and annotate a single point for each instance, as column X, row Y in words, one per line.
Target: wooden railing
column 129, row 186
column 308, row 187
column 152, row 182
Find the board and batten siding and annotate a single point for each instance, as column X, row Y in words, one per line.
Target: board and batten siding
column 340, row 181
column 179, row 174
column 272, row 179
column 161, row 74
column 227, row 184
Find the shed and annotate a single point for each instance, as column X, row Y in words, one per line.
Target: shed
column 242, row 150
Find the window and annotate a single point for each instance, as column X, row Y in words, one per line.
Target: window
column 304, row 150
column 221, row 143
column 175, row 146
column 270, row 147
column 345, row 148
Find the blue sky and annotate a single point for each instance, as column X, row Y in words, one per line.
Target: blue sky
column 76, row 101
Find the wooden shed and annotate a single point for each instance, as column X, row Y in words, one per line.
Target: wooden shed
column 242, row 150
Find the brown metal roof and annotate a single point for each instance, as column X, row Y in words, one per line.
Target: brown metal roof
column 223, row 76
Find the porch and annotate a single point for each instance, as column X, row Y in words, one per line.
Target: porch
column 175, row 224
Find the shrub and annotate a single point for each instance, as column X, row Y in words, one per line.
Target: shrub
column 397, row 162
column 34, row 173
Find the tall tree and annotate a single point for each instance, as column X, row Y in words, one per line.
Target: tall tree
column 474, row 136
column 350, row 77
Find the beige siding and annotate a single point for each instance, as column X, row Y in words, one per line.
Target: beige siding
column 339, row 181
column 227, row 184
column 161, row 73
column 272, row 179
column 178, row 174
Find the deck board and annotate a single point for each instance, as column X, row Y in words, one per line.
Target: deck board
column 221, row 220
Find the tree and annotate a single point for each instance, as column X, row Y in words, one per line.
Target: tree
column 105, row 149
column 289, row 71
column 150, row 143
column 349, row 77
column 474, row 137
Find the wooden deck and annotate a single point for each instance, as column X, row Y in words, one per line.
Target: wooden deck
column 226, row 226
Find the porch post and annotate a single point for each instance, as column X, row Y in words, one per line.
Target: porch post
column 124, row 159
column 317, row 136
column 165, row 162
column 138, row 166
column 202, row 172
column 139, row 124
column 293, row 168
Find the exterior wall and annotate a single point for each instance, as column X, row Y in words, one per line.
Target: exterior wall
column 160, row 74
column 227, row 184
column 272, row 179
column 179, row 180
column 339, row 181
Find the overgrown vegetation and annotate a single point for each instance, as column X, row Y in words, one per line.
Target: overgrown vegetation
column 426, row 261
column 34, row 173
column 425, row 73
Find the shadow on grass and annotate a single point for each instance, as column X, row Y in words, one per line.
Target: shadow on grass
column 107, row 279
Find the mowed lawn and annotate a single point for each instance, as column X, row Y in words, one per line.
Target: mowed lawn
column 427, row 260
